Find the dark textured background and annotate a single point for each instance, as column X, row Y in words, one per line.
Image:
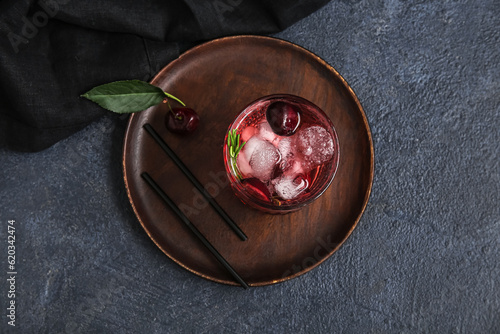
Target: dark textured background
column 423, row 259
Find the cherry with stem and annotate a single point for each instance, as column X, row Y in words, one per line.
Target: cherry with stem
column 181, row 120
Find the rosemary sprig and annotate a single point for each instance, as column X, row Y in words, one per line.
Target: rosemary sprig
column 233, row 142
column 234, row 145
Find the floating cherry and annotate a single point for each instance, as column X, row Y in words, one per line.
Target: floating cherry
column 284, row 118
column 257, row 188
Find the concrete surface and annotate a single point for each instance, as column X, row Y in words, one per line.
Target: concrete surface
column 423, row 259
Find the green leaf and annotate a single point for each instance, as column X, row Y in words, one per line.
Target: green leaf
column 235, row 139
column 126, row 96
column 233, row 142
column 239, row 148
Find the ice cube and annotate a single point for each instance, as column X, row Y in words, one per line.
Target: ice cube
column 294, row 168
column 316, row 145
column 243, row 158
column 250, row 146
column 243, row 164
column 285, row 147
column 249, row 132
column 290, row 187
column 290, row 164
column 266, row 133
column 263, row 159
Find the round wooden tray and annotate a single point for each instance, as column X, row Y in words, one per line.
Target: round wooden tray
column 218, row 79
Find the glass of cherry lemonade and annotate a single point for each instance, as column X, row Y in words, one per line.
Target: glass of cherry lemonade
column 281, row 153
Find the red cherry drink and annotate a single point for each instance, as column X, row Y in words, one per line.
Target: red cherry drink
column 281, row 153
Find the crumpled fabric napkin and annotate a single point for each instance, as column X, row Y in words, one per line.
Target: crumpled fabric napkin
column 51, row 51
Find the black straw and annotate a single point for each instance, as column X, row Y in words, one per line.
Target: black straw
column 193, row 228
column 195, row 181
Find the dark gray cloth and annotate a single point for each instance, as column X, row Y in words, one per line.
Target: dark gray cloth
column 51, row 51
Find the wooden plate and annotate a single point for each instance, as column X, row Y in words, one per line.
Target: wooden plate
column 218, row 79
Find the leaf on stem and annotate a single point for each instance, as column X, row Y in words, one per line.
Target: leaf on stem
column 127, row 96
